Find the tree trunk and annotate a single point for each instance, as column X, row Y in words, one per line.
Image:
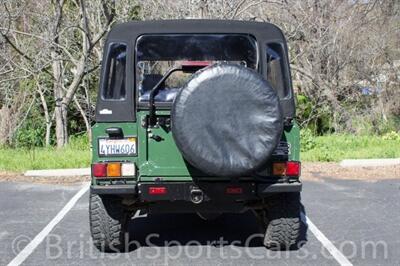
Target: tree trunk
column 60, row 108
column 84, row 117
column 46, row 115
column 48, row 134
column 61, row 125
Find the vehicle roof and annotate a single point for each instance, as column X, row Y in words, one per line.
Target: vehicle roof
column 131, row 30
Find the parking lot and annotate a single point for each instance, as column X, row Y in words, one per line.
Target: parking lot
column 349, row 222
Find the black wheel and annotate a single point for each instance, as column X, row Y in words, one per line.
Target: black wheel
column 108, row 222
column 281, row 221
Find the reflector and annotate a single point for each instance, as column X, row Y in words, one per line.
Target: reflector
column 157, row 190
column 234, row 190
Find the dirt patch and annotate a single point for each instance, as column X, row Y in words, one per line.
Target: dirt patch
column 19, row 177
column 319, row 171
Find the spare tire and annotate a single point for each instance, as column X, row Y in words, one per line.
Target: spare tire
column 226, row 120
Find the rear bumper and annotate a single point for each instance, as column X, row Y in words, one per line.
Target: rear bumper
column 279, row 187
column 114, row 190
column 180, row 191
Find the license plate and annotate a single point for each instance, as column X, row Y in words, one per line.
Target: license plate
column 124, row 147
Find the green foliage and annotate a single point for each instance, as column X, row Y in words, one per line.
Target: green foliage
column 79, row 142
column 304, row 106
column 374, row 125
column 75, row 155
column 392, row 135
column 326, row 154
column 27, row 85
column 32, row 132
column 317, row 119
column 30, row 137
column 392, row 124
column 338, row 147
column 134, row 12
column 307, row 140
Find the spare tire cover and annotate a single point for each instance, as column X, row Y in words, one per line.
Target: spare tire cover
column 226, row 120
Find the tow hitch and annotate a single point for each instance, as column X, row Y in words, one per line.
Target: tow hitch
column 196, row 195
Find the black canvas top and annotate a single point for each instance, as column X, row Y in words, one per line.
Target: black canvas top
column 128, row 32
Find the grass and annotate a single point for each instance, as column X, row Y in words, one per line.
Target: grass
column 75, row 155
column 324, row 148
column 334, row 148
column 43, row 158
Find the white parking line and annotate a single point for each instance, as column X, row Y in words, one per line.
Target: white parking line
column 339, row 257
column 21, row 257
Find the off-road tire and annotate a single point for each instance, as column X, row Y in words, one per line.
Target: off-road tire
column 108, row 222
column 282, row 222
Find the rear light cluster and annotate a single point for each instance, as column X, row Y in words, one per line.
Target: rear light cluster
column 113, row 169
column 286, row 168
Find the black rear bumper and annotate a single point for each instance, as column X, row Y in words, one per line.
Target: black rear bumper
column 114, row 190
column 181, row 191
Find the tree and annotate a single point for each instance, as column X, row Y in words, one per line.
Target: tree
column 337, row 48
column 58, row 49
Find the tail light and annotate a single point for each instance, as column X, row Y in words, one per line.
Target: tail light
column 290, row 168
column 293, row 168
column 99, row 169
column 113, row 169
column 279, row 168
column 128, row 169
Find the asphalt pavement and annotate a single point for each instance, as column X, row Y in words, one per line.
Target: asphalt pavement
column 349, row 222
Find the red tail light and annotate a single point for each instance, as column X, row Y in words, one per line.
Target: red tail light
column 157, row 190
column 293, row 168
column 290, row 168
column 99, row 169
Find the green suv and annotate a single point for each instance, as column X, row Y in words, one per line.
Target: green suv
column 195, row 116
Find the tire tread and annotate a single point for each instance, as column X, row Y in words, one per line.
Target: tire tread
column 107, row 221
column 283, row 222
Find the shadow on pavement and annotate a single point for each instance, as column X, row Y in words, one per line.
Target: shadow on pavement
column 162, row 230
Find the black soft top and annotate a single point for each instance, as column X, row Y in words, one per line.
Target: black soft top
column 128, row 32
column 131, row 30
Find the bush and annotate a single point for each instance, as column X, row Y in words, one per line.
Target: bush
column 318, row 120
column 79, row 142
column 392, row 135
column 31, row 134
column 307, row 140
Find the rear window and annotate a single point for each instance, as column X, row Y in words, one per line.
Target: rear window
column 276, row 69
column 114, row 85
column 156, row 54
